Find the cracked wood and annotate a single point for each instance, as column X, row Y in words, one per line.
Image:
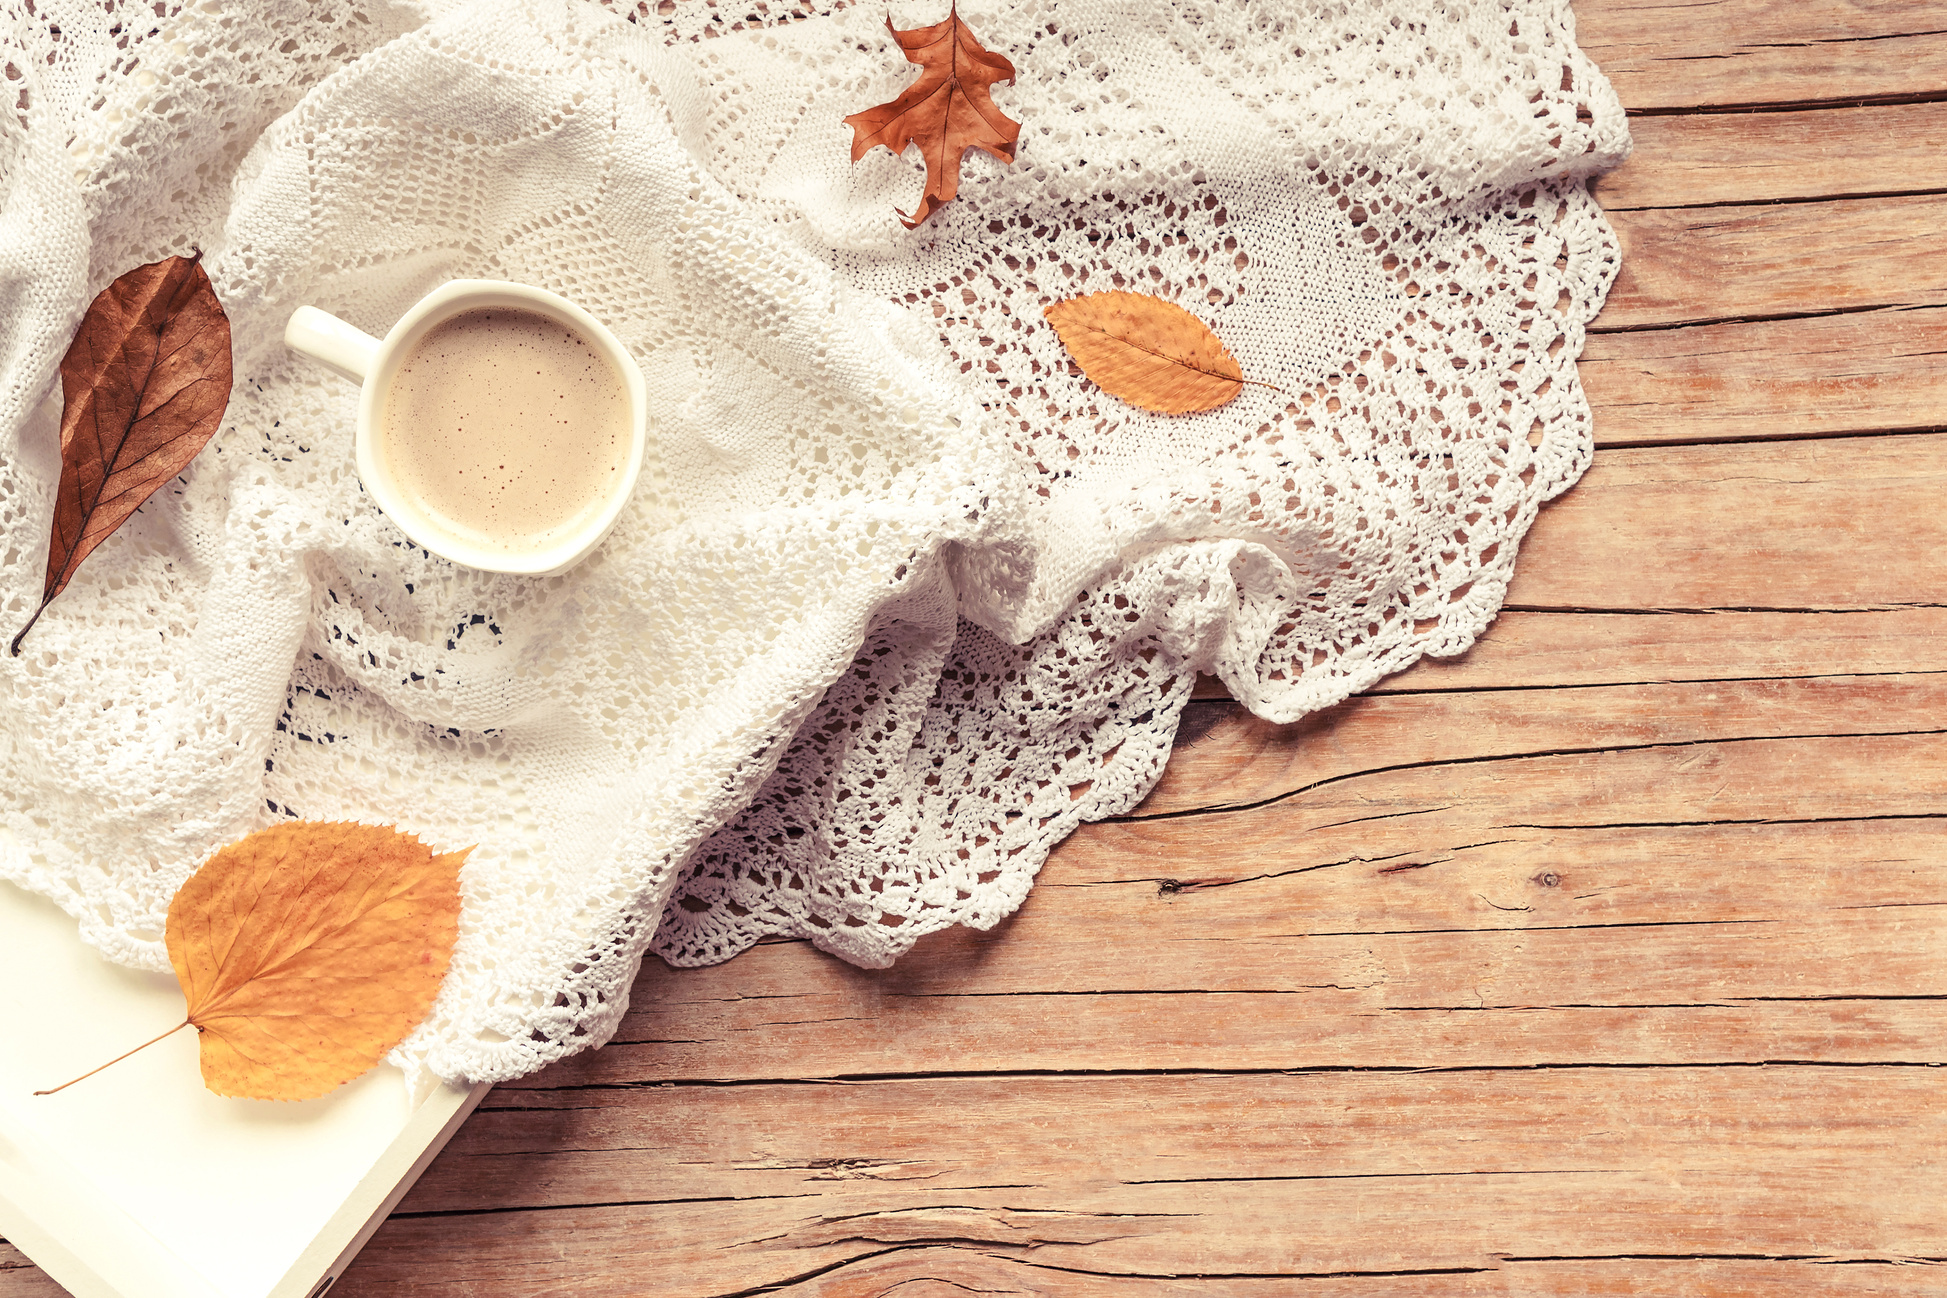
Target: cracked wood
column 1532, row 931
column 1550, row 1163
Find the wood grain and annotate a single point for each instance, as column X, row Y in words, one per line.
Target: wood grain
column 1879, row 370
column 1692, row 161
column 1729, row 53
column 781, row 1140
column 1876, row 371
column 1696, row 265
column 1138, row 1175
column 952, row 1272
column 1349, row 924
column 1251, row 760
column 1775, row 525
column 20, row 1278
column 1524, row 649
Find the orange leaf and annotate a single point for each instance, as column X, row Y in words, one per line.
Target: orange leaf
column 145, row 383
column 308, row 950
column 1149, row 352
column 946, row 112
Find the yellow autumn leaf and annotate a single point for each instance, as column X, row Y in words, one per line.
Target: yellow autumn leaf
column 308, row 950
column 1149, row 352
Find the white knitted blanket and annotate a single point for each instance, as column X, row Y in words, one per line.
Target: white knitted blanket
column 901, row 599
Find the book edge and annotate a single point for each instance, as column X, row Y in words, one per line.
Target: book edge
column 371, row 1201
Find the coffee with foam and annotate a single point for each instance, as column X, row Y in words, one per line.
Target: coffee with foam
column 508, row 428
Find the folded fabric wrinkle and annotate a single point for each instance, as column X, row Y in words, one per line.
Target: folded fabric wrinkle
column 901, row 598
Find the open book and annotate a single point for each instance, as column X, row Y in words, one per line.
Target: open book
column 140, row 1182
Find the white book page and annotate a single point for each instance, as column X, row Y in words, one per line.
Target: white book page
column 236, row 1190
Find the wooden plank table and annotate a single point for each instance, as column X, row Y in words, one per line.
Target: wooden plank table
column 1607, row 958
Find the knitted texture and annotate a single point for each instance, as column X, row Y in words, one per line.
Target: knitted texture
column 902, row 598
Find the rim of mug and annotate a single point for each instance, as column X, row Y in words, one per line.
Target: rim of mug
column 451, row 299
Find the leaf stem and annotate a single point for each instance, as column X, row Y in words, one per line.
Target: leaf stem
column 118, row 1058
column 1260, row 383
column 29, row 627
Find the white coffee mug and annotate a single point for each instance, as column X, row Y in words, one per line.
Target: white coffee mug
column 375, row 363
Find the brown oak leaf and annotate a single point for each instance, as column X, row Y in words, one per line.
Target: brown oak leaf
column 946, row 112
column 308, row 950
column 1149, row 352
column 145, row 383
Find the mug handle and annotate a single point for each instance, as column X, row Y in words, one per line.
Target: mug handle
column 342, row 348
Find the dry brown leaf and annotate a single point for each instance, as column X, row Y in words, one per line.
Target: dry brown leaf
column 1149, row 352
column 145, row 383
column 946, row 112
column 308, row 950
